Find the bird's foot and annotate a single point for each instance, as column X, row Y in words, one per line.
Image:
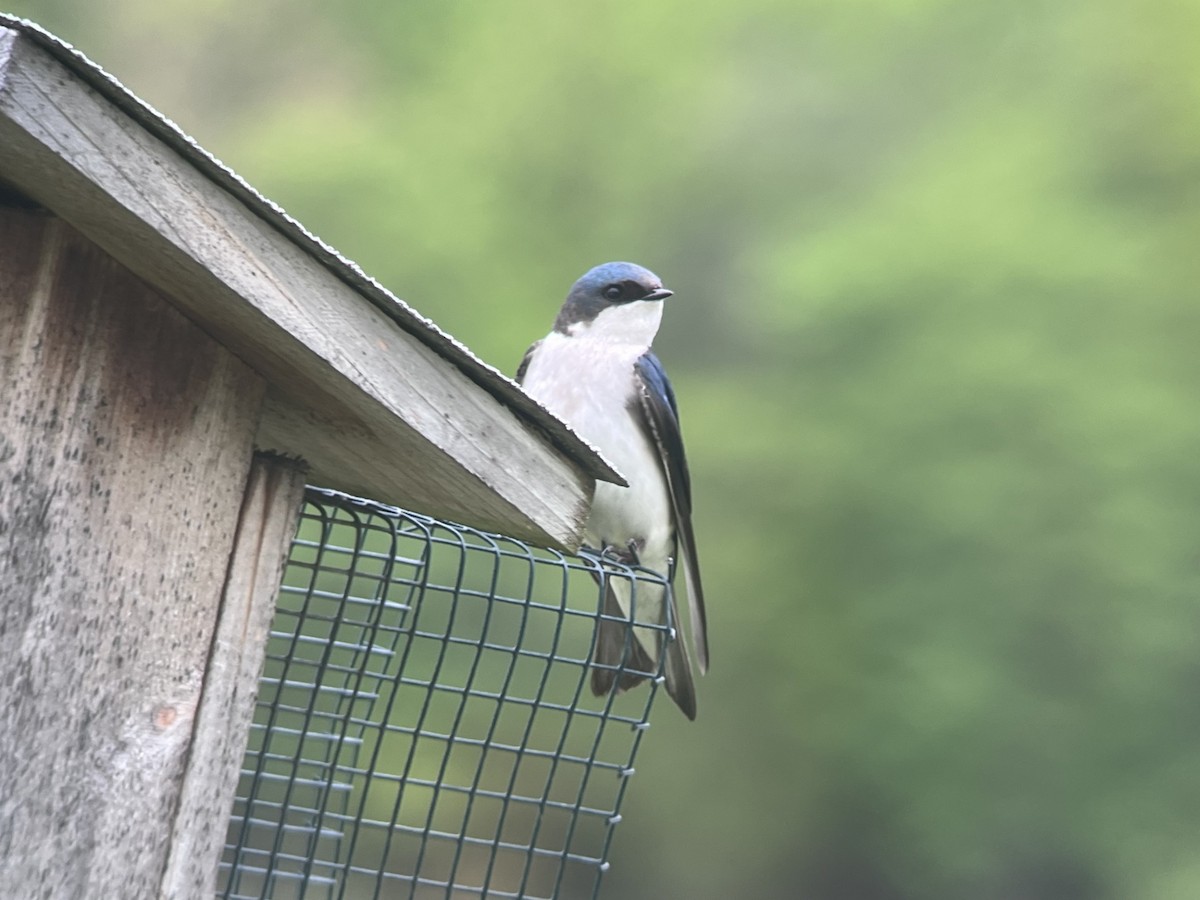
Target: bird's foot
column 626, row 556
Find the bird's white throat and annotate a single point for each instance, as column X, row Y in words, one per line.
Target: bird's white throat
column 633, row 324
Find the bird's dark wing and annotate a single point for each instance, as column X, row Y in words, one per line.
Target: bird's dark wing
column 660, row 419
column 525, row 361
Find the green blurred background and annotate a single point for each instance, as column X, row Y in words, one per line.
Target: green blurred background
column 935, row 344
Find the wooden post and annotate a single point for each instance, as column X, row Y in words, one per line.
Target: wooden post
column 126, row 439
column 270, row 512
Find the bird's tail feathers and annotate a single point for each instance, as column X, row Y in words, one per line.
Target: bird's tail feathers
column 677, row 669
column 621, row 658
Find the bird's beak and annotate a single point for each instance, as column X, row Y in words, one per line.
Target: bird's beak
column 660, row 294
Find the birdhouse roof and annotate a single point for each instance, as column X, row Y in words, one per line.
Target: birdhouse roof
column 374, row 396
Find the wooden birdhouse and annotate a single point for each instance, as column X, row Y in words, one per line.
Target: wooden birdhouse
column 177, row 358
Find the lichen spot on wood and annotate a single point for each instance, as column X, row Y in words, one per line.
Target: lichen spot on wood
column 165, row 716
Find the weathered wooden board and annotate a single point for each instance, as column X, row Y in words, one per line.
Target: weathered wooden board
column 372, row 402
column 270, row 512
column 126, row 437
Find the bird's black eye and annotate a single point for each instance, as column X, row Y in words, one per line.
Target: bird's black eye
column 613, row 292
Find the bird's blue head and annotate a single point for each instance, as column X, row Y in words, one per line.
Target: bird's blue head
column 608, row 285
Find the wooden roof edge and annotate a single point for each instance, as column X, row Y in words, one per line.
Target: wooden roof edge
column 487, row 377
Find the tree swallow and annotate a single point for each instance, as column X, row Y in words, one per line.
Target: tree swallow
column 595, row 371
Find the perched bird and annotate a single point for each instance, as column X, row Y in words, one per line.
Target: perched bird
column 595, row 371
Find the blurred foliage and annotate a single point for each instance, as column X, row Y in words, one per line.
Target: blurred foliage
column 934, row 341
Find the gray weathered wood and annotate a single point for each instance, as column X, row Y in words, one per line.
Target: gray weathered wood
column 270, row 511
column 126, row 437
column 376, row 405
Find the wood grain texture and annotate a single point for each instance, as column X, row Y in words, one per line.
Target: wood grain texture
column 270, row 512
column 125, row 440
column 373, row 409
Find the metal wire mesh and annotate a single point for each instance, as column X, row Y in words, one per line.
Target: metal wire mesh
column 423, row 727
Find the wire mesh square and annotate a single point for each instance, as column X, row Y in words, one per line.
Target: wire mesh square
column 423, row 727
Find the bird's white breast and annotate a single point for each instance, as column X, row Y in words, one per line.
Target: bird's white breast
column 587, row 380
